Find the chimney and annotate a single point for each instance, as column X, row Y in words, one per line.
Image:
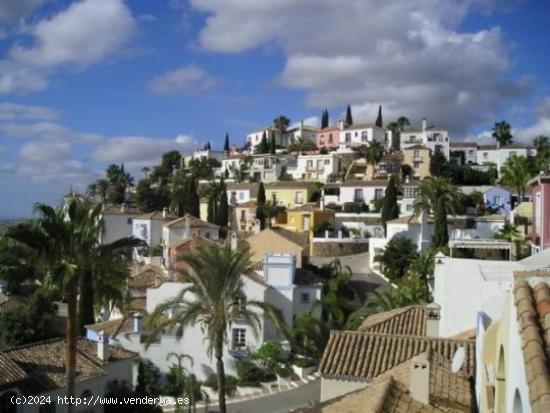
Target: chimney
column 102, row 346
column 432, row 315
column 164, row 212
column 257, row 226
column 341, row 124
column 122, row 208
column 322, row 203
column 423, row 124
column 407, row 179
column 138, row 322
column 234, row 242
column 187, row 231
column 420, row 378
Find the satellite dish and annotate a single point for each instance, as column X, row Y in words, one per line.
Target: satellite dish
column 458, row 360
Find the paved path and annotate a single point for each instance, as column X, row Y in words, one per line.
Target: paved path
column 281, row 402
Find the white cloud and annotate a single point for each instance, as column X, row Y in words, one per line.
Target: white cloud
column 412, row 57
column 46, row 151
column 83, row 34
column 47, row 130
column 14, row 111
column 183, row 80
column 139, row 149
column 15, row 78
column 13, row 10
column 541, row 125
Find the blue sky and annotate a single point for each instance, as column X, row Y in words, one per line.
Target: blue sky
column 90, row 82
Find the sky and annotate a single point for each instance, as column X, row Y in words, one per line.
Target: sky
column 91, row 82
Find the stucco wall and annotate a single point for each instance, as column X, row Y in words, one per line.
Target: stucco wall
column 116, row 227
column 331, row 388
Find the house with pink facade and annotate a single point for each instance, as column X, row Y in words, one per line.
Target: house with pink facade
column 328, row 137
column 540, row 196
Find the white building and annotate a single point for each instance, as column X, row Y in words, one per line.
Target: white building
column 354, row 191
column 37, row 372
column 148, row 227
column 491, row 154
column 208, row 154
column 301, row 132
column 232, row 165
column 316, row 167
column 242, row 192
column 268, row 168
column 118, row 223
column 360, row 134
column 463, row 153
column 433, row 137
column 278, row 283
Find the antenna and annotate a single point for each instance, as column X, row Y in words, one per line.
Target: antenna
column 458, row 360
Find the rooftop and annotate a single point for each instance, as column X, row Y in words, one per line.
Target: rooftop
column 405, row 321
column 148, row 276
column 195, row 223
column 158, row 216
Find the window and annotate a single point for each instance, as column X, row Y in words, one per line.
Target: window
column 485, row 155
column 5, row 402
column 378, row 193
column 409, row 192
column 471, row 152
column 513, row 153
column 243, row 215
column 330, row 138
column 416, row 165
column 241, row 196
column 238, row 338
column 348, row 137
column 310, row 164
column 274, row 196
column 304, row 298
column 497, row 200
column 364, row 136
column 327, row 161
column 299, row 198
column 129, row 221
column 416, row 154
column 358, row 195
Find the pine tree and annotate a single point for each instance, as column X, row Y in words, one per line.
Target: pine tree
column 226, row 144
column 272, row 144
column 223, row 210
column 390, row 208
column 260, row 201
column 379, row 122
column 324, row 119
column 349, row 117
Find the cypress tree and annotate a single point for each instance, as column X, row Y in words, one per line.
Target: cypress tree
column 193, row 204
column 272, row 144
column 226, row 144
column 212, row 211
column 390, row 208
column 438, row 164
column 263, row 147
column 223, row 210
column 324, row 119
column 441, row 235
column 379, row 122
column 349, row 117
column 260, row 201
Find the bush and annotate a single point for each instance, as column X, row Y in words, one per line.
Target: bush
column 248, row 373
column 352, row 207
column 284, row 371
column 303, row 362
column 230, row 383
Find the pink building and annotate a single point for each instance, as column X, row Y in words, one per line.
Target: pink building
column 540, row 195
column 328, row 137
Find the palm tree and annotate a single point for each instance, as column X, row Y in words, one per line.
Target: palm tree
column 515, row 173
column 272, row 209
column 145, row 171
column 403, row 121
column 395, row 129
column 440, row 197
column 280, row 123
column 541, row 143
column 62, row 237
column 374, row 154
column 214, row 299
column 308, row 336
column 508, row 233
column 502, row 132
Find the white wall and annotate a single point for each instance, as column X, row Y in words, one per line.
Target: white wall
column 116, row 226
column 331, row 388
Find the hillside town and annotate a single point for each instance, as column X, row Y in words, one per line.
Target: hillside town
column 351, row 267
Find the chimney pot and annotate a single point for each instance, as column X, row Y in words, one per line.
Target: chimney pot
column 420, row 378
column 164, row 212
column 424, row 124
column 123, row 208
column 102, row 346
column 432, row 314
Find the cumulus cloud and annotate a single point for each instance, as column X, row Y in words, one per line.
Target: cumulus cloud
column 14, row 111
column 46, row 151
column 20, row 79
column 411, row 57
column 47, row 130
column 140, row 149
column 183, row 80
column 13, row 10
column 541, row 126
column 81, row 35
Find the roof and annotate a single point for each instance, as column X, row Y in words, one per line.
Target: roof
column 247, row 204
column 469, row 189
column 363, row 356
column 308, row 207
column 191, row 244
column 405, row 321
column 10, row 302
column 532, row 302
column 300, row 238
column 243, row 185
column 510, row 146
column 121, row 210
column 417, row 147
column 289, row 184
column 157, row 216
column 407, row 219
column 362, row 126
column 463, row 144
column 148, row 276
column 113, row 327
column 44, row 363
column 359, row 182
column 11, row 372
column 195, row 223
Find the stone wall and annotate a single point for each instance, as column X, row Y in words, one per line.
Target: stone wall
column 338, row 249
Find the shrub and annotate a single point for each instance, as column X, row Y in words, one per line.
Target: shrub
column 352, row 207
column 248, row 373
column 230, row 383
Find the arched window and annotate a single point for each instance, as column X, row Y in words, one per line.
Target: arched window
column 518, row 406
column 6, row 406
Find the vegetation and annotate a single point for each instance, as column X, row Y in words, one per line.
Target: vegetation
column 515, row 173
column 502, row 132
column 122, row 390
column 260, row 204
column 113, row 187
column 438, row 164
column 324, row 119
column 349, row 117
column 440, row 197
column 213, row 299
column 271, row 209
column 226, row 144
column 390, row 208
column 302, row 146
column 379, row 121
column 281, row 123
column 396, row 258
column 374, row 154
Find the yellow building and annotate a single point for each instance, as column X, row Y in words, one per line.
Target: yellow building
column 291, row 194
column 244, row 216
column 417, row 157
column 307, row 218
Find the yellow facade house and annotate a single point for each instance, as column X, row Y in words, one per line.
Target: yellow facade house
column 307, row 218
column 291, row 194
column 417, row 157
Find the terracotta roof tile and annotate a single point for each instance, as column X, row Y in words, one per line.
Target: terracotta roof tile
column 148, row 276
column 533, row 314
column 402, row 321
column 195, row 223
column 11, row 372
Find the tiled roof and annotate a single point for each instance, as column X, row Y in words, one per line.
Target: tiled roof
column 120, row 210
column 195, row 223
column 248, row 204
column 462, row 144
column 10, row 303
column 157, row 216
column 362, row 126
column 44, row 363
column 298, row 237
column 533, row 313
column 113, row 327
column 289, row 184
column 11, row 372
column 148, row 276
column 402, row 321
column 417, row 146
column 364, row 356
column 361, row 183
column 308, row 207
column 491, row 218
column 510, row 146
column 193, row 243
column 407, row 219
